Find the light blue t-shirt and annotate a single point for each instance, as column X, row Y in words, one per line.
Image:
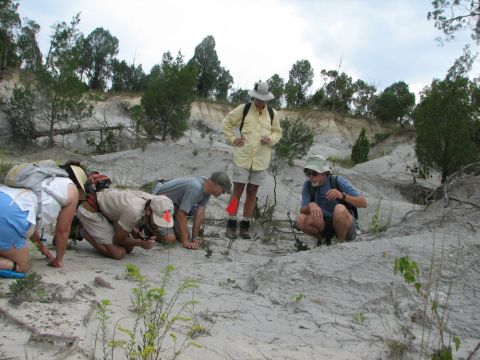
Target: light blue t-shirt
column 320, row 195
column 185, row 193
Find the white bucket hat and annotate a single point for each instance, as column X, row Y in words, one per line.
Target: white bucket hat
column 261, row 91
column 317, row 163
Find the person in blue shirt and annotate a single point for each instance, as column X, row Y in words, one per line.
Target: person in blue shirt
column 325, row 204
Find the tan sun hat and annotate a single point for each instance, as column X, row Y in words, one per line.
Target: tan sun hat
column 317, row 163
column 261, row 91
column 80, row 175
column 162, row 208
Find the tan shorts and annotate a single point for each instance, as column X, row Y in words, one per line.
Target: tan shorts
column 245, row 176
column 96, row 225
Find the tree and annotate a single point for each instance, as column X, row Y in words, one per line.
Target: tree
column 223, row 84
column 338, row 89
column 9, row 25
column 168, row 96
column 59, row 90
column 300, row 80
column 443, row 123
column 208, row 66
column 238, row 96
column 363, row 99
column 451, row 16
column 277, row 88
column 361, row 148
column 27, row 46
column 21, row 115
column 97, row 53
column 395, row 103
column 127, row 77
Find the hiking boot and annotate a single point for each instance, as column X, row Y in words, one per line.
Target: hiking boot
column 245, row 229
column 231, row 228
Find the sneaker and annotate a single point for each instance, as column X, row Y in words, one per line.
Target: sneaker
column 245, row 229
column 231, row 228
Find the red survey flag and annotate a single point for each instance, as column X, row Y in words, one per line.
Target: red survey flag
column 232, row 206
column 167, row 216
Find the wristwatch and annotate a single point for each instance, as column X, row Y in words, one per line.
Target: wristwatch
column 343, row 197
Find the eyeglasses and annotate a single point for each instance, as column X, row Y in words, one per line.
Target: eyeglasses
column 309, row 172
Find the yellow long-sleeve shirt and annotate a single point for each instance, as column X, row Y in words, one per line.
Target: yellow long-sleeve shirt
column 253, row 154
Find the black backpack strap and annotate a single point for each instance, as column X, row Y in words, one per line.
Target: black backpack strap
column 246, row 109
column 270, row 112
column 334, row 185
column 311, row 191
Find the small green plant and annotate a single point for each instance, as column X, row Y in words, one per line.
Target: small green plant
column 345, row 162
column 409, row 270
column 377, row 223
column 195, row 151
column 103, row 316
column 359, row 318
column 298, row 298
column 156, row 317
column 361, row 148
column 20, row 289
column 299, row 245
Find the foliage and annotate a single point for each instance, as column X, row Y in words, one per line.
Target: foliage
column 378, row 223
column 22, row 113
column 297, row 138
column 277, row 88
column 239, row 96
column 108, row 142
column 445, row 121
column 167, row 100
column 98, row 50
column 27, row 46
column 345, row 162
column 156, row 317
column 59, row 90
column 299, row 81
column 338, row 89
column 451, row 16
column 9, row 25
column 361, row 148
column 223, row 84
column 21, row 288
column 408, row 270
column 363, row 99
column 395, row 103
column 127, row 77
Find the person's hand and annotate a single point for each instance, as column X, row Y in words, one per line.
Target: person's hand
column 265, row 140
column 333, row 194
column 197, row 240
column 148, row 244
column 238, row 141
column 191, row 245
column 44, row 251
column 315, row 210
column 56, row 263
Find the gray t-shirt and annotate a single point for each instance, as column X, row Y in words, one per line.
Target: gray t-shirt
column 184, row 192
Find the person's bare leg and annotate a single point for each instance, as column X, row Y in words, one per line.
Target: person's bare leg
column 20, row 256
column 109, row 250
column 237, row 193
column 342, row 221
column 310, row 226
column 250, row 201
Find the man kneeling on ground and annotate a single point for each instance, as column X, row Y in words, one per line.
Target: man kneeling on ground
column 325, row 207
column 125, row 219
column 190, row 195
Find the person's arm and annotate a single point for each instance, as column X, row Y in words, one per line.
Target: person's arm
column 35, row 238
column 230, row 123
column 64, row 222
column 276, row 130
column 352, row 195
column 181, row 221
column 197, row 222
column 122, row 238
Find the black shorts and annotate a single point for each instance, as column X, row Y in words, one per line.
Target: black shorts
column 328, row 229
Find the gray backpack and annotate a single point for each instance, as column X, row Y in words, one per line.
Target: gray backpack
column 31, row 175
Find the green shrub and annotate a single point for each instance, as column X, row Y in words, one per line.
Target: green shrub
column 360, row 148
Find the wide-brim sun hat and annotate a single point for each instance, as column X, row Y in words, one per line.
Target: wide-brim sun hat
column 317, row 163
column 261, row 91
column 162, row 211
column 80, row 175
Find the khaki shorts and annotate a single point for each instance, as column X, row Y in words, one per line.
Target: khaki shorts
column 96, row 225
column 246, row 176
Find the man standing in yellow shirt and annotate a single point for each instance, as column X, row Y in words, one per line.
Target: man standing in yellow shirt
column 258, row 131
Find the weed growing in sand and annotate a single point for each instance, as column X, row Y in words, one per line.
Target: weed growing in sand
column 299, row 245
column 103, row 316
column 359, row 318
column 298, row 298
column 195, row 151
column 157, row 319
column 379, row 224
column 20, row 289
column 435, row 295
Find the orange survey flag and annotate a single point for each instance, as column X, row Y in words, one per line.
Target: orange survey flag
column 232, row 206
column 167, row 216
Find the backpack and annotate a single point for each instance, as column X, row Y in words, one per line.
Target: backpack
column 30, row 176
column 246, row 109
column 96, row 182
column 334, row 185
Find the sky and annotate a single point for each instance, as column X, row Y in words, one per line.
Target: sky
column 380, row 42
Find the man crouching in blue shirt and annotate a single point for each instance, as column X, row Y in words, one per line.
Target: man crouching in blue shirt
column 328, row 203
